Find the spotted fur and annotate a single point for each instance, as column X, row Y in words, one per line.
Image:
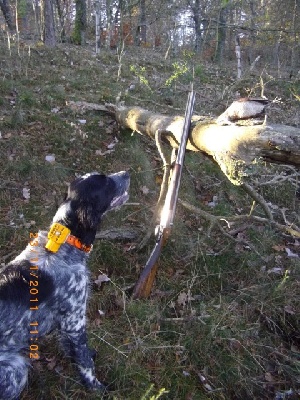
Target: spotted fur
column 62, row 285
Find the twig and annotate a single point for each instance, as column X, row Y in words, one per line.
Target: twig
column 258, row 198
column 292, row 230
column 109, row 344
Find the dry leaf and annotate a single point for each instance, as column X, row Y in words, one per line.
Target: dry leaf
column 289, row 310
column 290, row 253
column 278, row 247
column 26, row 193
column 206, row 385
column 101, row 278
column 145, row 190
column 55, row 110
column 50, row 158
column 111, row 145
column 103, row 153
column 269, row 377
column 182, row 299
column 158, row 179
column 276, row 270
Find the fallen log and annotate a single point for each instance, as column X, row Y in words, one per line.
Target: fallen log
column 234, row 147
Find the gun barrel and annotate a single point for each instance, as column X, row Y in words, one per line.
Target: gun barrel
column 186, row 127
column 168, row 211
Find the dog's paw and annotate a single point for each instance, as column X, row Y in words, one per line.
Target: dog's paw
column 99, row 386
column 89, row 379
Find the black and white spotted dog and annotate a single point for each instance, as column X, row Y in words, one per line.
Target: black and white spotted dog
column 46, row 286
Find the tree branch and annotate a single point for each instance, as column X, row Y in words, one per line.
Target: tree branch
column 215, row 220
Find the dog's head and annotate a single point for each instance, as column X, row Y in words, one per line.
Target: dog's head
column 89, row 197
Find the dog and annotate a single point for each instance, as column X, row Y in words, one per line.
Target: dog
column 46, row 287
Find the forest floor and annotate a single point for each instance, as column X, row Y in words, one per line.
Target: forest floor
column 223, row 320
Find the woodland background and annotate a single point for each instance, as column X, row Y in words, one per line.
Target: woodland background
column 223, row 319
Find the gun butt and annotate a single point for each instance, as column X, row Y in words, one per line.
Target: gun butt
column 144, row 285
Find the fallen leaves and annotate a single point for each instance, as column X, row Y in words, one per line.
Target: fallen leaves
column 26, row 193
column 50, row 158
column 110, row 148
column 144, row 190
column 101, row 279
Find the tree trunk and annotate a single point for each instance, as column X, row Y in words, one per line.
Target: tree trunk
column 197, row 21
column 141, row 32
column 80, row 22
column 235, row 147
column 61, row 21
column 252, row 32
column 238, row 56
column 143, row 22
column 49, row 30
column 221, row 35
column 6, row 10
column 97, row 26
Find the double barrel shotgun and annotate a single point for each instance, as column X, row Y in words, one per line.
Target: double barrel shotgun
column 144, row 285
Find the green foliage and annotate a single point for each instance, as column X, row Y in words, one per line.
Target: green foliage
column 22, row 8
column 224, row 3
column 140, row 72
column 27, row 99
column 78, row 35
column 200, row 73
column 188, row 54
column 179, row 69
column 160, row 393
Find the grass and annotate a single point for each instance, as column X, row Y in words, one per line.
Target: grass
column 223, row 320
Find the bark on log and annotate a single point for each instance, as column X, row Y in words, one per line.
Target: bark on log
column 235, row 147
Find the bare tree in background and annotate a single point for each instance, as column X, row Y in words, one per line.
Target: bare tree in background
column 80, row 22
column 6, row 9
column 97, row 26
column 141, row 33
column 221, row 33
column 196, row 15
column 49, row 28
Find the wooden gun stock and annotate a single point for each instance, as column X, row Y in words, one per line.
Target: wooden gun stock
column 144, row 285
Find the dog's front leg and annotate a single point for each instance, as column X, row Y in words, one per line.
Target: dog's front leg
column 75, row 345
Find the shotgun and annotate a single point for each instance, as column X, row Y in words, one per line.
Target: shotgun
column 144, row 285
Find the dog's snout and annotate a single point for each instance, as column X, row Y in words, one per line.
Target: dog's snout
column 121, row 174
column 121, row 179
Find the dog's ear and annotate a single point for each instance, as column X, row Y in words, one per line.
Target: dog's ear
column 89, row 217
